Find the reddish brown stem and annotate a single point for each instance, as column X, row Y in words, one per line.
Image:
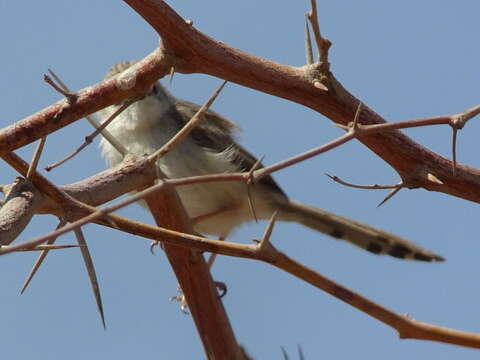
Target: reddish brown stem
column 194, row 277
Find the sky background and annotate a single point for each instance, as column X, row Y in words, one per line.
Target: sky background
column 404, row 59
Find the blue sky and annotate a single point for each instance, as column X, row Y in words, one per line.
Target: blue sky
column 404, row 59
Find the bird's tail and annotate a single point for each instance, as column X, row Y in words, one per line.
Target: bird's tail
column 362, row 235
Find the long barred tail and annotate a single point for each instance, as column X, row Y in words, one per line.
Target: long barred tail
column 362, row 235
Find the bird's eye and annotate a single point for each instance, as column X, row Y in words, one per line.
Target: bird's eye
column 155, row 89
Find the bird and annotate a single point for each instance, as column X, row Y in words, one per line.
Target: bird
column 217, row 208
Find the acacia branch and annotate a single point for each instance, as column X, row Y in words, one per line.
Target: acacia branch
column 195, row 52
column 199, row 53
column 264, row 251
column 189, row 266
column 141, row 77
column 194, row 277
column 136, row 173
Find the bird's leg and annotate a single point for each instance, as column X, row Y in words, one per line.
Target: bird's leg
column 221, row 286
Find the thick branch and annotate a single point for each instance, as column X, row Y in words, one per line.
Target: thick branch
column 18, row 209
column 85, row 102
column 199, row 53
column 187, row 266
column 195, row 279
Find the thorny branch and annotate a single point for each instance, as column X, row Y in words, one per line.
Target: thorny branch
column 194, row 52
column 201, row 54
column 191, row 241
column 264, row 251
column 256, row 175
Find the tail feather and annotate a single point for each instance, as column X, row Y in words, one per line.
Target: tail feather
column 362, row 235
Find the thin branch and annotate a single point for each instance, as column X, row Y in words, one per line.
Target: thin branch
column 99, row 130
column 407, row 328
column 87, row 259
column 71, row 97
column 261, row 173
column 458, row 121
column 97, row 215
column 368, row 187
column 323, row 44
column 359, row 131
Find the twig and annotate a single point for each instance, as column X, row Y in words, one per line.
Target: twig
column 457, row 122
column 323, row 44
column 407, row 328
column 96, row 214
column 87, row 259
column 368, row 187
column 352, row 133
column 71, row 97
column 91, row 137
column 267, row 170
